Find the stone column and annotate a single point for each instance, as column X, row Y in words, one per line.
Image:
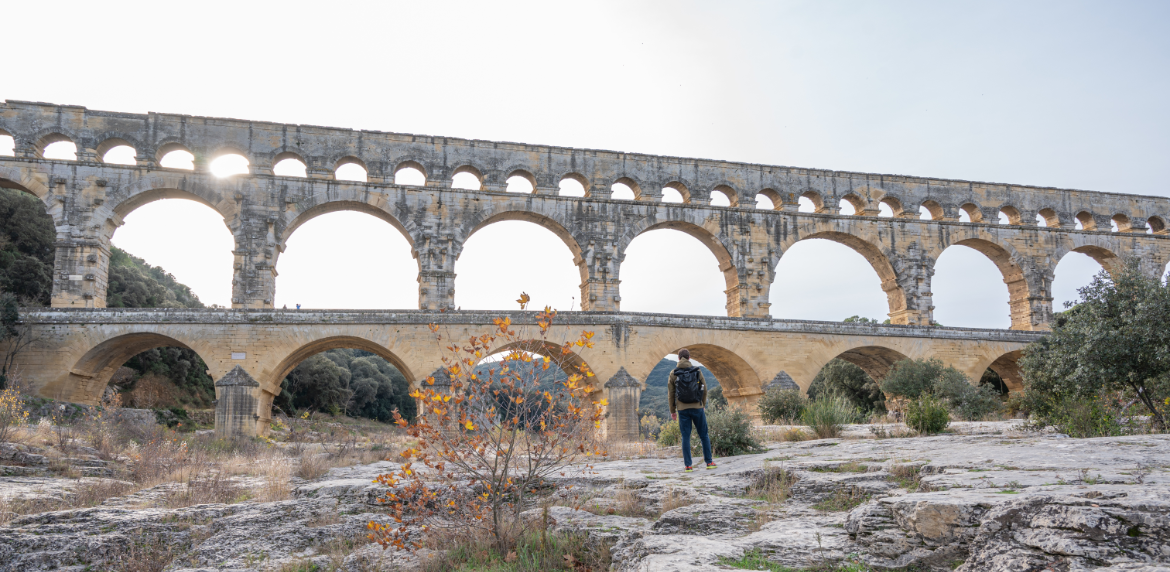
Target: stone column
column 436, row 254
column 82, row 259
column 911, row 281
column 235, row 404
column 600, row 260
column 622, row 392
column 254, row 269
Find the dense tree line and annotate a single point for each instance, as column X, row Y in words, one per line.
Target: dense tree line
column 346, row 381
column 135, row 284
column 27, row 246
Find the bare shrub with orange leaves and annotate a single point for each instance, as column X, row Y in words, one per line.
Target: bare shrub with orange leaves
column 488, row 442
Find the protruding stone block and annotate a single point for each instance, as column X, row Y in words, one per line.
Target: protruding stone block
column 235, row 406
column 622, row 392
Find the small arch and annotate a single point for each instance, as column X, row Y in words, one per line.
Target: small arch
column 1048, row 218
column 1009, row 371
column 56, row 146
column 1120, row 223
column 769, row 199
column 467, row 178
column 970, row 212
column 893, row 204
column 573, row 185
column 719, row 199
column 1085, row 221
column 175, row 156
column 1156, row 225
column 811, row 202
column 931, row 210
column 624, row 189
column 229, row 164
column 289, row 164
column 290, row 362
column 117, row 151
column 350, row 168
column 851, row 204
column 678, row 193
column 729, row 192
column 520, row 181
column 7, row 144
column 1010, row 215
column 410, row 173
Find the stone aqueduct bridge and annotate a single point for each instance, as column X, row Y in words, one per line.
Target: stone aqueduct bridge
column 88, row 199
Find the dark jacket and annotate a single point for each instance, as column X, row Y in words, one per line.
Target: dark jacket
column 674, row 405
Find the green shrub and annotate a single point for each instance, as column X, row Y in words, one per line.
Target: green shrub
column 840, row 377
column 782, row 405
column 969, row 402
column 826, row 415
column 927, row 415
column 1098, row 416
column 670, row 435
column 731, row 433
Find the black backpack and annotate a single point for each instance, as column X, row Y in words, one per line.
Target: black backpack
column 687, row 387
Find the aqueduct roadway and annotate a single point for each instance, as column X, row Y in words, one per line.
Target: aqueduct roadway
column 77, row 344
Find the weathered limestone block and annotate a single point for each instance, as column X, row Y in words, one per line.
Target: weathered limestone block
column 235, row 405
column 622, row 392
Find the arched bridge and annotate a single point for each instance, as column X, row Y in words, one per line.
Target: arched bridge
column 74, row 352
column 88, row 198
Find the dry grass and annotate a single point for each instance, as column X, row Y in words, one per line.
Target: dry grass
column 673, row 500
column 312, row 467
column 773, row 485
column 640, row 450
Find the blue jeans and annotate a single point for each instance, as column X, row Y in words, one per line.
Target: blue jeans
column 699, row 418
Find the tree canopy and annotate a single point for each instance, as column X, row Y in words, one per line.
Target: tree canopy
column 27, row 246
column 1113, row 339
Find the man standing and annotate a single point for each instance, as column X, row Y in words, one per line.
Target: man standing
column 687, row 392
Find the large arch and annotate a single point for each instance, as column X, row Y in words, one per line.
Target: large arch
column 877, row 259
column 569, row 363
column 271, row 383
column 710, row 240
column 550, row 223
column 1009, row 371
column 91, row 373
column 315, row 211
column 1019, row 290
column 875, row 360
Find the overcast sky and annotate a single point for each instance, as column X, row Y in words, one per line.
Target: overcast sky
column 1066, row 94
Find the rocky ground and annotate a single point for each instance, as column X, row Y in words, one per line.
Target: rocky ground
column 987, row 497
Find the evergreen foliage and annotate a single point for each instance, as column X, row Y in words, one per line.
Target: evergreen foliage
column 346, row 381
column 780, row 405
column 27, row 247
column 840, row 377
column 181, row 366
column 914, row 379
column 135, row 284
column 927, row 415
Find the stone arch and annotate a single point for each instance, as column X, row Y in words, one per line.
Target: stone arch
column 13, row 178
column 169, row 146
column 934, row 208
column 92, row 372
column 550, row 222
column 286, row 154
column 1020, row 291
column 875, row 360
column 859, row 205
column 1103, row 256
column 1123, row 223
column 570, row 362
column 229, row 148
column 133, row 197
column 1012, row 213
column 682, row 189
column 1051, row 218
column 1088, row 222
column 1157, row 225
column 735, row 374
column 271, row 383
column 713, row 242
column 631, row 183
column 877, row 258
column 46, row 137
column 1009, row 371
column 111, row 140
column 729, row 192
column 521, row 172
column 407, row 163
column 973, row 210
column 350, row 160
column 470, row 169
column 774, row 196
column 344, row 205
column 896, row 208
column 817, row 200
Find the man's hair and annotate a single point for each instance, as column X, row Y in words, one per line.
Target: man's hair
column 684, row 354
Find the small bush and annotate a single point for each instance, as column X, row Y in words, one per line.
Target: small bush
column 782, row 405
column 731, row 433
column 12, row 413
column 827, row 415
column 969, row 402
column 670, row 435
column 927, row 416
column 1099, row 416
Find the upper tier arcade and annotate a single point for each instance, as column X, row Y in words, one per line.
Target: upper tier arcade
column 88, row 198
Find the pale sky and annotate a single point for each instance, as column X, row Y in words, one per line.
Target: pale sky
column 1065, row 94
